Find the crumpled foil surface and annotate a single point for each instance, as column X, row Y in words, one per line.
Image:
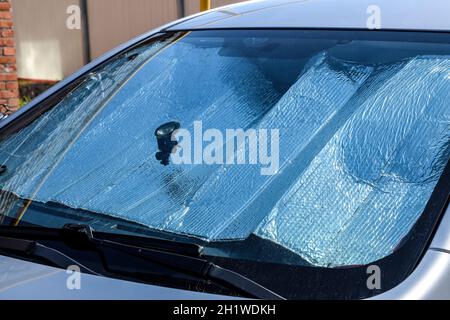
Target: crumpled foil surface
column 364, row 191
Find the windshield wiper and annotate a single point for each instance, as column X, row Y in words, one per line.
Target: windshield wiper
column 33, row 249
column 43, row 233
column 82, row 237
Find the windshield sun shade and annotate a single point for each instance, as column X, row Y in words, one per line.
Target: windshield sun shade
column 362, row 145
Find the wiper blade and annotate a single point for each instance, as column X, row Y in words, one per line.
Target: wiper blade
column 42, row 233
column 83, row 235
column 35, row 250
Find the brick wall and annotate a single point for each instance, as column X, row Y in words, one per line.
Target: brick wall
column 9, row 88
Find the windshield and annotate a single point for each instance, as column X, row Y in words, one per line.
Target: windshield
column 357, row 136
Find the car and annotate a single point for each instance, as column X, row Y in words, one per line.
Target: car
column 268, row 150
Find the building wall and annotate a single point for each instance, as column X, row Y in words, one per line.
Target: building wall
column 46, row 48
column 112, row 22
column 9, row 90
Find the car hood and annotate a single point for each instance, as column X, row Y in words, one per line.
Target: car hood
column 23, row 280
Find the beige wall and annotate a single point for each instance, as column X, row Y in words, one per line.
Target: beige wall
column 46, row 48
column 112, row 22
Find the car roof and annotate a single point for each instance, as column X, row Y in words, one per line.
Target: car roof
column 342, row 14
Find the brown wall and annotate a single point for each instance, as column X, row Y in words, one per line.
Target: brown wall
column 112, row 22
column 47, row 50
column 9, row 90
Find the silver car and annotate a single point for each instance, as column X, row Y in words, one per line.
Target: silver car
column 337, row 187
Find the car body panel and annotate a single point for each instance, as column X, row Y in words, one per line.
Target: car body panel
column 430, row 280
column 441, row 240
column 353, row 14
column 23, row 280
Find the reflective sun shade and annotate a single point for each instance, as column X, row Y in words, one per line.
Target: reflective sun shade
column 364, row 137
